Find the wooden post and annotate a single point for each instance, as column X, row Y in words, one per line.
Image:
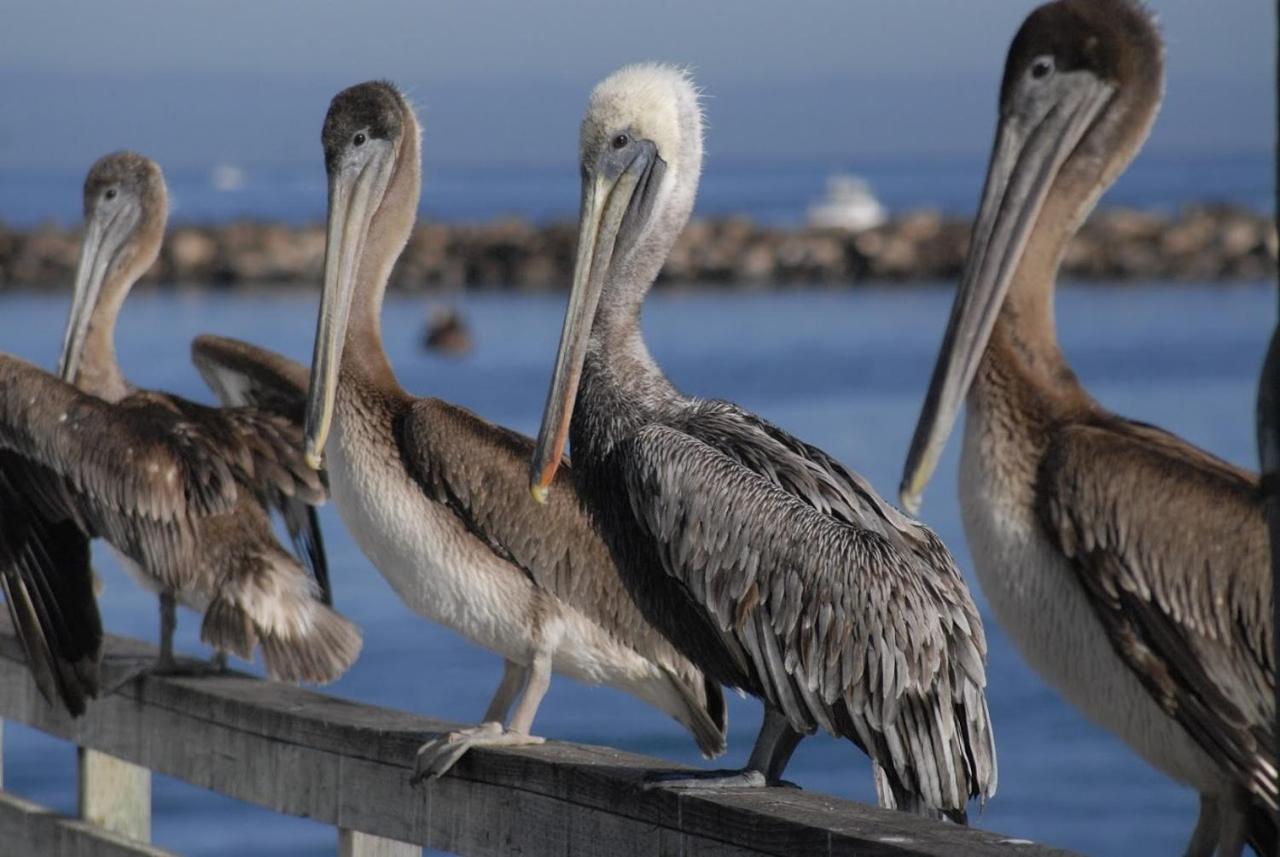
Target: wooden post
column 115, row 794
column 353, row 843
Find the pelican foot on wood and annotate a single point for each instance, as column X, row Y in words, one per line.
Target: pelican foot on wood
column 530, row 683
column 438, row 755
column 773, row 748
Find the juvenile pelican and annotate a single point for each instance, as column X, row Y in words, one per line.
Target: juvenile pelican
column 179, row 490
column 766, row 562
column 436, row 497
column 1128, row 566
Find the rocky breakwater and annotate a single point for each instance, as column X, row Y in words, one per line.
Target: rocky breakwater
column 1201, row 244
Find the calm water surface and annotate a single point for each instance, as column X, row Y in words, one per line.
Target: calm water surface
column 845, row 371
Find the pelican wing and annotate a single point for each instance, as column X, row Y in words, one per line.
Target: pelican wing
column 839, row 626
column 241, row 375
column 49, row 590
column 1171, row 545
column 480, row 472
column 263, row 450
column 140, row 461
column 141, row 471
column 805, row 472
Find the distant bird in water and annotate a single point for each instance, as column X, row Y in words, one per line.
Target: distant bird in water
column 447, row 332
column 766, row 562
column 437, row 498
column 1129, row 567
column 179, row 490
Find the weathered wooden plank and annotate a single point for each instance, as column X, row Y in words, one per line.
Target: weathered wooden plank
column 353, row 843
column 114, row 794
column 302, row 753
column 27, row 828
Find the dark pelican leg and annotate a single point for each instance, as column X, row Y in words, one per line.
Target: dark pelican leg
column 127, row 670
column 168, row 662
column 773, row 748
column 1204, row 839
column 168, row 624
column 440, row 754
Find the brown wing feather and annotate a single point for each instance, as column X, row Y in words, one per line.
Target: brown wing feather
column 1171, row 545
column 138, row 461
column 48, row 584
column 242, row 374
column 264, row 449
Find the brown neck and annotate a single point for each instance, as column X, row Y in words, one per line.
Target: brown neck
column 99, row 370
column 1024, row 342
column 1025, row 338
column 364, row 358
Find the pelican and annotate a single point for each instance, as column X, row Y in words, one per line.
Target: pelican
column 179, row 490
column 766, row 562
column 1128, row 566
column 436, row 497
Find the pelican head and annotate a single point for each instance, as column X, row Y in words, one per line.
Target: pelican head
column 126, row 207
column 371, row 152
column 1082, row 84
column 641, row 156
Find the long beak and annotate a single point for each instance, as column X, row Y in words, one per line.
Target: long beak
column 605, row 205
column 353, row 199
column 91, row 272
column 1022, row 170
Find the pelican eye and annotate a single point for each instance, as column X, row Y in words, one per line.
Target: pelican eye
column 359, row 138
column 111, row 193
column 1041, row 67
column 621, row 141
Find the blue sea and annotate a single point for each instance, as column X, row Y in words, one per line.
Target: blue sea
column 844, row 370
column 776, row 193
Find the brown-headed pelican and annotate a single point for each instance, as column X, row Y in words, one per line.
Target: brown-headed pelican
column 1129, row 567
column 766, row 562
column 179, row 490
column 437, row 497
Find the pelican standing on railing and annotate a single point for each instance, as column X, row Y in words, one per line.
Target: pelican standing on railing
column 766, row 562
column 437, row 497
column 179, row 490
column 1128, row 566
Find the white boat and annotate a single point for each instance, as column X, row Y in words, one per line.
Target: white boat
column 849, row 204
column 228, row 178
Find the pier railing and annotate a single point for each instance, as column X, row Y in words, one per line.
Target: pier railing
column 342, row 763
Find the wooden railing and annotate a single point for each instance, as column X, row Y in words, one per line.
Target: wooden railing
column 346, row 764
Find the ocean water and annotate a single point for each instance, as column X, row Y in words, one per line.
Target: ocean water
column 773, row 192
column 844, row 370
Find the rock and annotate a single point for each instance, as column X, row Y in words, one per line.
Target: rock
column 1202, row 243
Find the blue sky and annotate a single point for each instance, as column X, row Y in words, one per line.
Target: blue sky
column 504, row 81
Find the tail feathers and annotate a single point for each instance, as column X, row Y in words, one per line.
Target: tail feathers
column 303, row 524
column 703, row 713
column 49, row 589
column 893, row 796
column 227, row 628
column 320, row 656
column 317, row 647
